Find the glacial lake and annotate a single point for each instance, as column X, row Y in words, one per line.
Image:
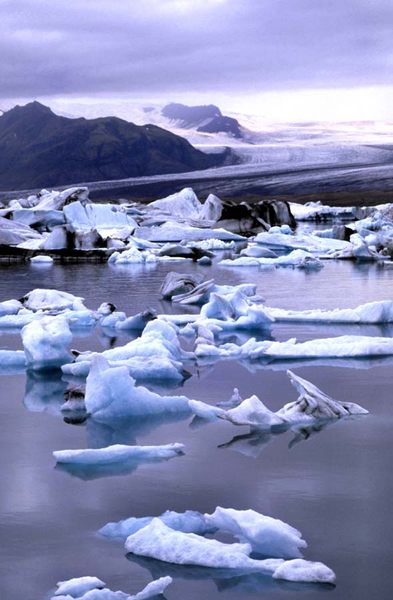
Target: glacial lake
column 336, row 487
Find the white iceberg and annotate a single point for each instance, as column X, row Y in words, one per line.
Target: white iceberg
column 304, row 571
column 156, row 355
column 275, row 238
column 300, row 259
column 81, row 588
column 372, row 312
column 267, row 536
column 159, row 541
column 345, row 346
column 52, row 300
column 189, row 521
column 78, row 586
column 111, row 393
column 46, row 343
column 42, row 259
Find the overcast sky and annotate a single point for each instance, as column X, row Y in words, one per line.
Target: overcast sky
column 304, row 53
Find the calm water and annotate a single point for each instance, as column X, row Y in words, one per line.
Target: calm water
column 336, row 486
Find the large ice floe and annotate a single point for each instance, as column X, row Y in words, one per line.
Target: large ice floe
column 158, row 541
column 92, row 588
column 312, row 407
column 267, row 536
column 155, row 355
column 345, row 346
column 92, row 463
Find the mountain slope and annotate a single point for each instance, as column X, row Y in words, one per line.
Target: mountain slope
column 39, row 148
column 205, row 119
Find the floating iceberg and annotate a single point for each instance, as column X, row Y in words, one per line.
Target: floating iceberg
column 372, row 312
column 111, row 393
column 78, row 586
column 188, row 522
column 300, row 259
column 305, row 571
column 311, row 407
column 267, row 536
column 155, row 355
column 46, row 343
column 276, row 238
column 113, row 460
column 54, row 301
column 92, row 588
column 160, row 542
column 345, row 346
column 42, row 259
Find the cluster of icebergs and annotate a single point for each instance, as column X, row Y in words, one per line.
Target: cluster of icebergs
column 180, row 227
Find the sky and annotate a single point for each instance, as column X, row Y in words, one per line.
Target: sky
column 282, row 59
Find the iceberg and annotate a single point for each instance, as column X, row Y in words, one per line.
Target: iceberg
column 111, row 393
column 345, row 346
column 155, row 355
column 51, row 300
column 41, row 259
column 275, row 238
column 189, row 521
column 311, row 407
column 13, row 233
column 113, row 460
column 300, row 259
column 92, row 588
column 267, row 536
column 371, row 312
column 171, row 231
column 305, row 571
column 160, row 542
column 78, row 586
column 46, row 343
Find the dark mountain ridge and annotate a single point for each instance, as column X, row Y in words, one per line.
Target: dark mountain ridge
column 39, row 148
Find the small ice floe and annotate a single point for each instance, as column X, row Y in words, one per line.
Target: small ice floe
column 111, row 393
column 345, row 346
column 316, row 211
column 311, row 407
column 171, row 231
column 158, row 541
column 300, row 259
column 282, row 238
column 132, row 256
column 267, row 536
column 189, row 521
column 304, row 571
column 54, row 301
column 41, row 259
column 92, row 588
column 46, row 343
column 113, row 460
column 78, row 586
column 137, row 322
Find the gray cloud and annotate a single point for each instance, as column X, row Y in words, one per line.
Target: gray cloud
column 161, row 46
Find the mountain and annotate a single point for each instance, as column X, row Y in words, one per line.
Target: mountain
column 41, row 149
column 205, row 119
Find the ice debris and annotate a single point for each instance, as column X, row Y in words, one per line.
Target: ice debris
column 92, row 588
